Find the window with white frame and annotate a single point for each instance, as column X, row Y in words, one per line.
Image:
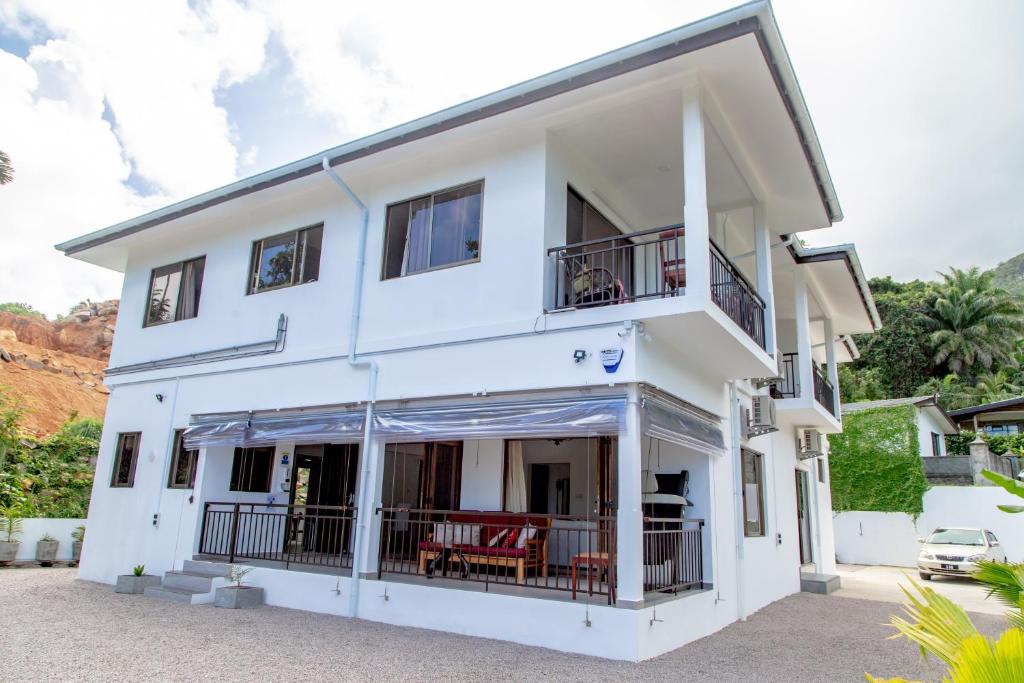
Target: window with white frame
column 434, row 231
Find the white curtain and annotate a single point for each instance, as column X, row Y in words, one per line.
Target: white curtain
column 515, row 479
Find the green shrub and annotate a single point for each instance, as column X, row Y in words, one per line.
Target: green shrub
column 875, row 463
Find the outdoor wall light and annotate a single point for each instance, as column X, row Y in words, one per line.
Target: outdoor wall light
column 160, row 398
column 579, row 355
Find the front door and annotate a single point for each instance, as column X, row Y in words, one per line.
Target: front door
column 803, row 517
column 323, row 479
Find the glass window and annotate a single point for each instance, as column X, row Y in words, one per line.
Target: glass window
column 936, row 444
column 292, row 258
column 251, row 469
column 753, row 493
column 821, row 470
column 174, row 291
column 183, row 464
column 125, row 458
column 956, row 537
column 441, row 229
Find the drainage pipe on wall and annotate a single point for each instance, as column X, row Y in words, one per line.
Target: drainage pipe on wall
column 735, row 418
column 365, row 501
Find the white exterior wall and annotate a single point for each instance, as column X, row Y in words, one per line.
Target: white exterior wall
column 34, row 528
column 890, row 538
column 464, row 331
column 927, row 423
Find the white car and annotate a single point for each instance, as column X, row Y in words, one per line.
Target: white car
column 955, row 551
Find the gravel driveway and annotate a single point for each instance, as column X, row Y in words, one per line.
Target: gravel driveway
column 53, row 627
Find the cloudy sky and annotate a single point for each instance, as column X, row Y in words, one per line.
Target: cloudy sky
column 109, row 108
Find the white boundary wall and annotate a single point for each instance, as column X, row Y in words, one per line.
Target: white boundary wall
column 34, row 528
column 890, row 538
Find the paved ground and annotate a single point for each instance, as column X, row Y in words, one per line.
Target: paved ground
column 53, row 627
column 883, row 583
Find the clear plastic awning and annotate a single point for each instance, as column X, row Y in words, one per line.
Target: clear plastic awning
column 239, row 429
column 670, row 419
column 529, row 419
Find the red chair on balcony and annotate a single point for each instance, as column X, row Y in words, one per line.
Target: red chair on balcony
column 673, row 265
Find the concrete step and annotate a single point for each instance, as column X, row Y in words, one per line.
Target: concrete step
column 203, row 583
column 204, row 568
column 819, row 583
column 182, row 595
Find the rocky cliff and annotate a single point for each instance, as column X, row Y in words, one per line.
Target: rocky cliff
column 55, row 368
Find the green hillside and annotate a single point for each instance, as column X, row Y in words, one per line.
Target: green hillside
column 1010, row 274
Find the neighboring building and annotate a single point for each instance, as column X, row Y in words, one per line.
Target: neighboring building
column 933, row 423
column 498, row 400
column 1002, row 418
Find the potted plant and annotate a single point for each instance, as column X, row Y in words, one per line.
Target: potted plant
column 46, row 550
column 238, row 596
column 137, row 582
column 10, row 526
column 77, row 539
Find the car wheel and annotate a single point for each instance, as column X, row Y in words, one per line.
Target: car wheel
column 926, row 577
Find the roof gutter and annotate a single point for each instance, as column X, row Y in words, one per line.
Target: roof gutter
column 753, row 18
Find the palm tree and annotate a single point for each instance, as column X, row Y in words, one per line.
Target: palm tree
column 6, row 170
column 975, row 322
column 995, row 386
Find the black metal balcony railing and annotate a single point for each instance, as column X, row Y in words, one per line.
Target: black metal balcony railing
column 293, row 534
column 789, row 387
column 736, row 296
column 649, row 264
column 615, row 270
column 824, row 391
column 554, row 552
column 673, row 554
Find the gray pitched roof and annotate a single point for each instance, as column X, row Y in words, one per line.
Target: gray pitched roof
column 919, row 401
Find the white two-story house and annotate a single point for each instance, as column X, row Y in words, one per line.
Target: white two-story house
column 548, row 366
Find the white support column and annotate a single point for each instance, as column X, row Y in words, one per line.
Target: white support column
column 804, row 360
column 695, row 193
column 629, row 546
column 367, row 520
column 763, row 257
column 830, row 361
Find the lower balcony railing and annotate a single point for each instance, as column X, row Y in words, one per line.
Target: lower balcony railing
column 789, row 387
column 553, row 552
column 673, row 554
column 293, row 534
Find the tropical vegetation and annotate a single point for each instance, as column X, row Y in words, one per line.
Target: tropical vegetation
column 961, row 337
column 20, row 308
column 6, row 169
column 50, row 476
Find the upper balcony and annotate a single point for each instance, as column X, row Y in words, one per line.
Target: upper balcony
column 650, row 264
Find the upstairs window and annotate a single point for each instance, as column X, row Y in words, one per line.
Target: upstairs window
column 435, row 231
column 174, row 291
column 291, row 258
column 251, row 470
column 125, row 457
column 183, row 464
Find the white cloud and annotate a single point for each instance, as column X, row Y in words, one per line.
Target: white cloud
column 155, row 69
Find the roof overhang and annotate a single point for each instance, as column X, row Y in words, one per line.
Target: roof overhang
column 835, row 268
column 755, row 19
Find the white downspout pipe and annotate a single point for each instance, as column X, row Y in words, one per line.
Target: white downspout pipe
column 363, row 504
column 735, row 416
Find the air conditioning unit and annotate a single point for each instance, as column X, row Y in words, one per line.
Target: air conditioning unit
column 809, row 443
column 762, row 382
column 762, row 416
